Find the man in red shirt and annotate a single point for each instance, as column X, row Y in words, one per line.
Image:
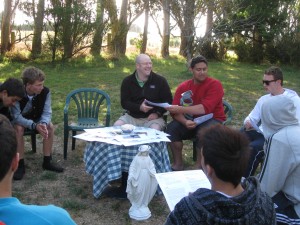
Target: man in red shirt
column 206, row 97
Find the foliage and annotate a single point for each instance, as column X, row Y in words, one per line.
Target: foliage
column 256, row 27
column 137, row 42
column 73, row 188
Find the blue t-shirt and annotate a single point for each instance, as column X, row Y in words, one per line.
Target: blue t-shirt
column 13, row 212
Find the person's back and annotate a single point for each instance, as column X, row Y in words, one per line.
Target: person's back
column 224, row 157
column 206, row 206
column 13, row 212
column 280, row 178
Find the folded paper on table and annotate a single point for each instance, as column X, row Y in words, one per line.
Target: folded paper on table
column 113, row 135
column 177, row 185
column 202, row 119
column 162, row 105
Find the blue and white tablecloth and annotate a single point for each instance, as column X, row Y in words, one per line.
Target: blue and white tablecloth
column 105, row 162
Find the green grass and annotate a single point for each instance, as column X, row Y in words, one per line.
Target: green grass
column 73, row 188
column 241, row 82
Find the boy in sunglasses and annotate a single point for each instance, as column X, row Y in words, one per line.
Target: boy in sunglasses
column 273, row 84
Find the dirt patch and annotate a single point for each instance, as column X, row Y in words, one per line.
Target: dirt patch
column 72, row 189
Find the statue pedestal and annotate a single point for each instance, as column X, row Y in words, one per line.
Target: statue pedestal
column 140, row 213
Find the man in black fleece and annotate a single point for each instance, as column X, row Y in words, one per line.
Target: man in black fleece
column 136, row 88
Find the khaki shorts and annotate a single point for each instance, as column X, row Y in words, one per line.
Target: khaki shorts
column 142, row 122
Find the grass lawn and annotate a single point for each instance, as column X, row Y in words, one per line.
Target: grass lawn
column 73, row 189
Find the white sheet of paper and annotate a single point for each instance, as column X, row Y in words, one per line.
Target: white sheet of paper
column 176, row 185
column 202, row 119
column 162, row 105
column 255, row 126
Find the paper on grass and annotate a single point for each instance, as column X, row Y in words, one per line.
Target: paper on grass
column 162, row 105
column 176, row 185
column 202, row 119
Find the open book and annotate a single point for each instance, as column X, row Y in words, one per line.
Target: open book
column 178, row 184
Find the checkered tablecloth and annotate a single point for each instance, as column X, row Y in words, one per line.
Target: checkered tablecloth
column 105, row 162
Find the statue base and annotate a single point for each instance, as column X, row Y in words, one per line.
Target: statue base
column 141, row 213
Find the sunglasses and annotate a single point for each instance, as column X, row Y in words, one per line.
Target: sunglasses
column 267, row 82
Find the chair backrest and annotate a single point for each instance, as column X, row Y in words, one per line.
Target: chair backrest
column 228, row 111
column 89, row 102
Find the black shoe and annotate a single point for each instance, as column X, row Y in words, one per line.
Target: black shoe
column 52, row 167
column 18, row 175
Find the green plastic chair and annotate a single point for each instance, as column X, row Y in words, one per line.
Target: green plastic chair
column 228, row 112
column 85, row 106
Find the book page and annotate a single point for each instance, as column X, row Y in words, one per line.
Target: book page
column 255, row 126
column 162, row 105
column 178, row 184
column 202, row 119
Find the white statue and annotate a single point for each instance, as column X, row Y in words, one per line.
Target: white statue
column 141, row 184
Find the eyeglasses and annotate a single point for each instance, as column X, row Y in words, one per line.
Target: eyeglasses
column 267, row 82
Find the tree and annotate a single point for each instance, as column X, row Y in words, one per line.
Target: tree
column 184, row 12
column 38, row 28
column 129, row 12
column 145, row 34
column 166, row 29
column 9, row 9
column 72, row 23
column 252, row 26
column 99, row 29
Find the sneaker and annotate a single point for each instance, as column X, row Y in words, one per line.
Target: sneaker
column 52, row 167
column 18, row 175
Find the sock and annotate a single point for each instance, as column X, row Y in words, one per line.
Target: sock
column 21, row 163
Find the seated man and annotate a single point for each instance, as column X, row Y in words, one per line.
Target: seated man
column 280, row 176
column 144, row 84
column 225, row 153
column 206, row 97
column 12, row 211
column 273, row 83
column 11, row 91
column 34, row 112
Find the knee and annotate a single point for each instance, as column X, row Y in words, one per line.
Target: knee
column 119, row 123
column 50, row 128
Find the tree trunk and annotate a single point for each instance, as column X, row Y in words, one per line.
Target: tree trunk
column 166, row 30
column 67, row 30
column 5, row 29
column 38, row 29
column 257, row 49
column 207, row 45
column 188, row 30
column 98, row 36
column 145, row 34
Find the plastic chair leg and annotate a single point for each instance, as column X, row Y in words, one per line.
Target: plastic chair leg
column 33, row 141
column 66, row 134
